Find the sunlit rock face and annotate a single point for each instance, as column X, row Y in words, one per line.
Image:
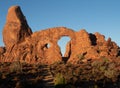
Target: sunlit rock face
column 42, row 46
column 16, row 28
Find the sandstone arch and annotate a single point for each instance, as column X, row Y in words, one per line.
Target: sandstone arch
column 21, row 44
column 51, row 36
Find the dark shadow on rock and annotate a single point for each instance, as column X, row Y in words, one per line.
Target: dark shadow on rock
column 93, row 39
column 65, row 59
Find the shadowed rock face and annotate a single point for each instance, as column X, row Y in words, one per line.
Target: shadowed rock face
column 23, row 45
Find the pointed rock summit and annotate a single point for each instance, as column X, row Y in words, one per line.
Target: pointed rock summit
column 16, row 27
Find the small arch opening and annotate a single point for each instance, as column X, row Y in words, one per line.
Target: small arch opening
column 48, row 45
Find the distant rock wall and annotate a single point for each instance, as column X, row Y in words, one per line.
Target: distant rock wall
column 23, row 45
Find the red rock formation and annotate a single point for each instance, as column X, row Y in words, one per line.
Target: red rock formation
column 68, row 50
column 93, row 46
column 16, row 27
column 22, row 45
column 2, row 50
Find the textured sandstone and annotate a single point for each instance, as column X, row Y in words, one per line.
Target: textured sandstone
column 16, row 27
column 2, row 50
column 42, row 46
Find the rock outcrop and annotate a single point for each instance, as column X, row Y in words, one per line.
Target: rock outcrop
column 92, row 46
column 16, row 28
column 41, row 47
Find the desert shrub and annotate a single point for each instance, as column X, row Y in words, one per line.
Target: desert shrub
column 80, row 56
column 59, row 80
column 96, row 73
column 15, row 66
column 105, row 70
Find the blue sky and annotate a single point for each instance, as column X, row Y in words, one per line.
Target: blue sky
column 93, row 15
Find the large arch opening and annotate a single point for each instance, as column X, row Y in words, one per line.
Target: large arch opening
column 64, row 44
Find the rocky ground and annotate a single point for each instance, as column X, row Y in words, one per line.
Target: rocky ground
column 91, row 74
column 22, row 75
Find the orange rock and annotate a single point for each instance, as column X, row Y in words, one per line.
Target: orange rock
column 16, row 27
column 42, row 46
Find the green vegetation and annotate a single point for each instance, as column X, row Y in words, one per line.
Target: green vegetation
column 20, row 75
column 81, row 56
column 100, row 73
column 59, row 80
column 16, row 67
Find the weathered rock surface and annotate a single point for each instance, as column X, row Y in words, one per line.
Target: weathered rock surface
column 16, row 28
column 21, row 44
column 2, row 50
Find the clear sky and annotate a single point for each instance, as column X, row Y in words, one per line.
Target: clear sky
column 93, row 15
